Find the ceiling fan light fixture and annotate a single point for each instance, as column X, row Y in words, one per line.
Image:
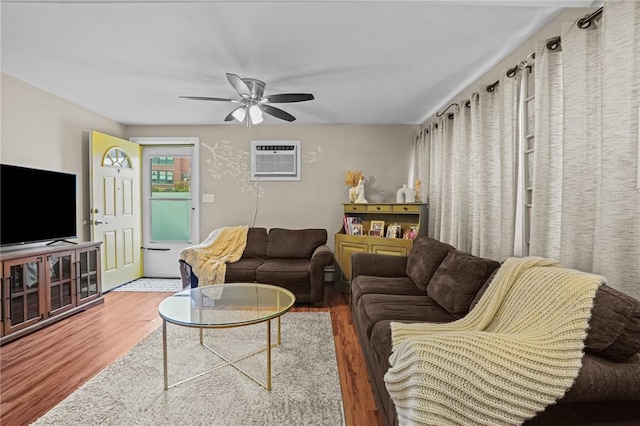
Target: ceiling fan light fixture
column 256, row 114
column 240, row 114
column 253, row 102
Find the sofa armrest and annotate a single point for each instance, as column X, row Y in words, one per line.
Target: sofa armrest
column 320, row 258
column 378, row 265
column 189, row 279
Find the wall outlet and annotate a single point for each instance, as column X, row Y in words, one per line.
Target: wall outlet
column 208, row 198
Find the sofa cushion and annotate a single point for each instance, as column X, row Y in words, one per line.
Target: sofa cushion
column 256, row 243
column 482, row 290
column 424, row 259
column 243, row 270
column 373, row 308
column 601, row 379
column 614, row 326
column 458, row 279
column 283, row 271
column 294, row 243
column 363, row 284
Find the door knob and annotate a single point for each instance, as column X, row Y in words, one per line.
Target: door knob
column 99, row 222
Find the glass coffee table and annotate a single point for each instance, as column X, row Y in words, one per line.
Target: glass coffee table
column 225, row 306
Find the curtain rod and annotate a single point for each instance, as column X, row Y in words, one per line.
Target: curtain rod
column 586, row 21
column 467, row 104
column 552, row 44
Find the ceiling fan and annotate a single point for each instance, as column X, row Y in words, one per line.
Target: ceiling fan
column 253, row 102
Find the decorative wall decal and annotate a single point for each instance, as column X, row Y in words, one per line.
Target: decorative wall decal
column 226, row 161
column 312, row 156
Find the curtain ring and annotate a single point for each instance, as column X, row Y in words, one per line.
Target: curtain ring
column 450, row 116
column 512, row 72
column 467, row 104
column 492, row 87
column 584, row 23
column 554, row 43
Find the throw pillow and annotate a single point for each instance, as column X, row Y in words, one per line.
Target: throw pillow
column 294, row 243
column 458, row 279
column 256, row 243
column 423, row 260
column 614, row 326
column 482, row 290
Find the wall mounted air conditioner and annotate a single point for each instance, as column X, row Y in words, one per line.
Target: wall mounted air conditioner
column 275, row 160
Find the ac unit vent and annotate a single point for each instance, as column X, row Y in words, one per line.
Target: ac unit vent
column 275, row 160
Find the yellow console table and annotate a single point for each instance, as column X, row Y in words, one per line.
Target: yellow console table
column 404, row 215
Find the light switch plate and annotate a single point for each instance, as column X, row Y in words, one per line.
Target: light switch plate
column 208, row 198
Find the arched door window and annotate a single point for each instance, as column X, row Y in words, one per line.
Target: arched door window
column 116, row 157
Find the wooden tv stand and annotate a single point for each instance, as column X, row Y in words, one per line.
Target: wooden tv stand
column 45, row 284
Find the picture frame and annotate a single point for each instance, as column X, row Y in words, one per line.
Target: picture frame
column 393, row 231
column 414, row 228
column 356, row 229
column 377, row 225
column 375, row 233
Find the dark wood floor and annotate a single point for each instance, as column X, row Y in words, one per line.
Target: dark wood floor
column 41, row 369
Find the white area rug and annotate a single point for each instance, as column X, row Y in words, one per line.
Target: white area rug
column 306, row 385
column 169, row 285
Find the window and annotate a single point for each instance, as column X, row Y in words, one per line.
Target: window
column 162, row 177
column 162, row 161
column 116, row 157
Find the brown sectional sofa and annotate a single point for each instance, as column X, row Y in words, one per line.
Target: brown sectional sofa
column 290, row 258
column 437, row 283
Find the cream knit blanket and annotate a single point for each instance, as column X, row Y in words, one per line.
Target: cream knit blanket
column 516, row 352
column 209, row 258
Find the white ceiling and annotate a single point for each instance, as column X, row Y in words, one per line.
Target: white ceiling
column 366, row 62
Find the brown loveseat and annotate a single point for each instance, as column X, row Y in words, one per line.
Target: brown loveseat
column 437, row 283
column 290, row 258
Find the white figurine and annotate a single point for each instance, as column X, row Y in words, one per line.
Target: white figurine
column 360, row 192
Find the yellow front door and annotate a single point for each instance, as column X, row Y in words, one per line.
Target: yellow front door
column 115, row 207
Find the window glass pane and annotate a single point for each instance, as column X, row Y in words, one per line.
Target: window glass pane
column 170, row 206
column 170, row 219
column 116, row 157
column 171, row 177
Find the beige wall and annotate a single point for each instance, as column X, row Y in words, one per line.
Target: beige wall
column 41, row 130
column 382, row 153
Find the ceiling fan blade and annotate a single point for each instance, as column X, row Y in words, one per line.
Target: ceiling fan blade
column 289, row 97
column 240, row 86
column 205, row 98
column 277, row 112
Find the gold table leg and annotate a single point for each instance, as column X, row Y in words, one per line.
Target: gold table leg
column 164, row 353
column 227, row 361
column 268, row 386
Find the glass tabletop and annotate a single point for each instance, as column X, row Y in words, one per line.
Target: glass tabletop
column 226, row 305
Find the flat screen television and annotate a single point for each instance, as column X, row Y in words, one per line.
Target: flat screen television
column 36, row 205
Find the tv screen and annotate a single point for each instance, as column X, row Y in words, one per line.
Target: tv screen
column 36, row 205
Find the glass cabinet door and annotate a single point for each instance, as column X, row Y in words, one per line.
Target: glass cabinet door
column 87, row 276
column 24, row 294
column 60, row 282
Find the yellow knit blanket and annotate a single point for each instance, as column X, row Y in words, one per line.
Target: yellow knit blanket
column 209, row 259
column 516, row 352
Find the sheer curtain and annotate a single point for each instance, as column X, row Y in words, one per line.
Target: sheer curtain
column 494, row 148
column 472, row 172
column 586, row 206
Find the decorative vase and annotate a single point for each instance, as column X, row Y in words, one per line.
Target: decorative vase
column 406, row 195
column 360, row 192
column 353, row 194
